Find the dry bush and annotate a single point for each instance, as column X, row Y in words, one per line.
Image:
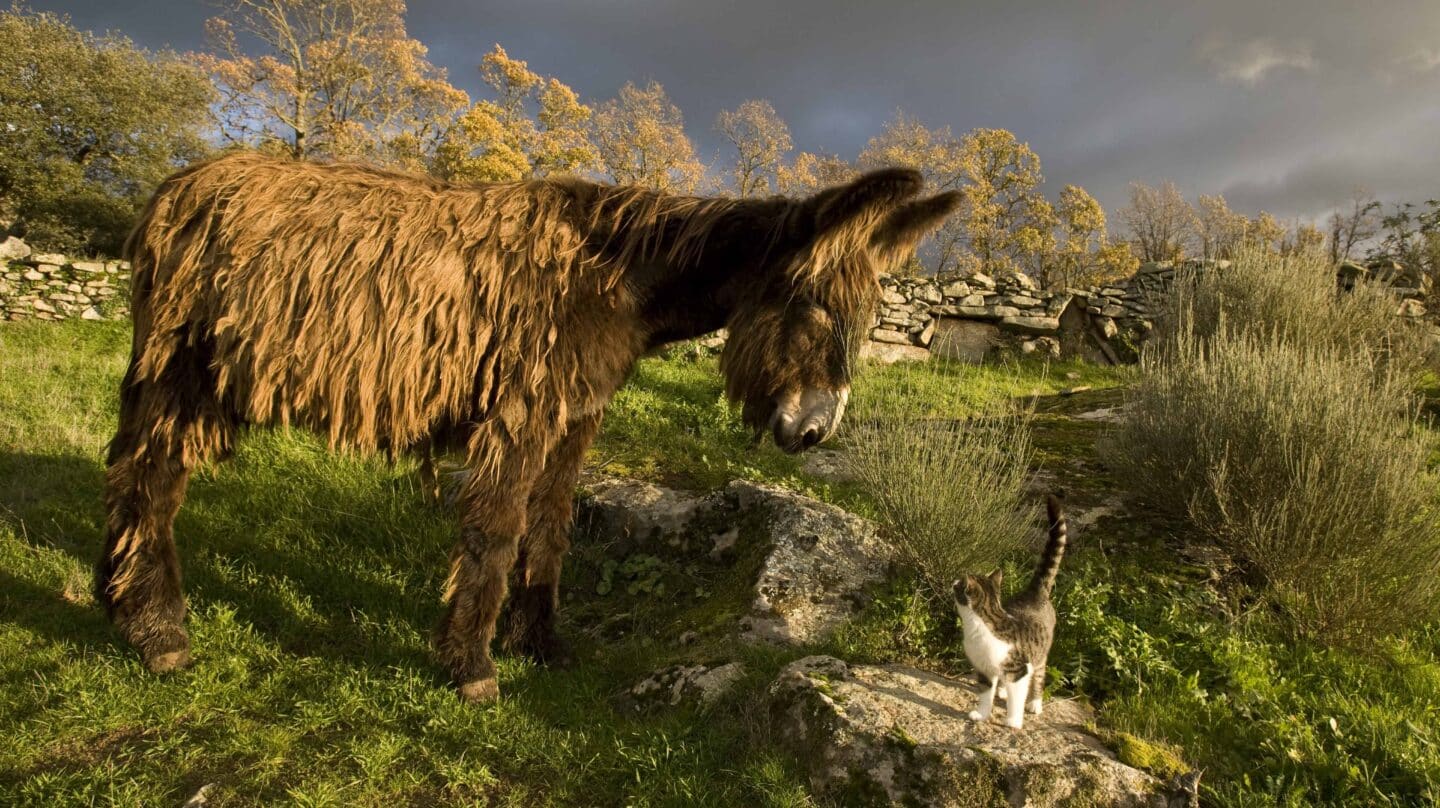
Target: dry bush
column 1302, row 456
column 1292, row 300
column 947, row 477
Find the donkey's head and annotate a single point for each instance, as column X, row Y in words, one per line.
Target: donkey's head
column 797, row 329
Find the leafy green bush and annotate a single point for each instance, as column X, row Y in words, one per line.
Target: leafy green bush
column 1307, row 464
column 92, row 123
column 948, row 487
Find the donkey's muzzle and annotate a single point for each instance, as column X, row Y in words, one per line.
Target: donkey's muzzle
column 808, row 419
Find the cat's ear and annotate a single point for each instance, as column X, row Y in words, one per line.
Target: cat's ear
column 996, row 578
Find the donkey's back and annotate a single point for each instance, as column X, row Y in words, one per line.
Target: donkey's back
column 351, row 300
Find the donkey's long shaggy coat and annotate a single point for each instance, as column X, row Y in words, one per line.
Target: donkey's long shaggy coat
column 388, row 311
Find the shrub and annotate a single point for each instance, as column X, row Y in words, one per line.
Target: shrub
column 947, row 486
column 1292, row 300
column 1306, row 462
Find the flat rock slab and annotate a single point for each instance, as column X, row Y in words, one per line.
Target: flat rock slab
column 700, row 685
column 894, row 734
column 819, row 559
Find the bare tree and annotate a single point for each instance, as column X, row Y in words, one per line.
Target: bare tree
column 1218, row 229
column 761, row 140
column 1161, row 223
column 1354, row 224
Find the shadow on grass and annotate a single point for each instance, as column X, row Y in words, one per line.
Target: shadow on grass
column 307, row 599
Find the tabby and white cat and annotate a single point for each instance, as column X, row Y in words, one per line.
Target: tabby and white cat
column 1009, row 643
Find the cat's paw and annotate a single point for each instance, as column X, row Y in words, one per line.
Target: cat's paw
column 978, row 717
column 1035, row 706
column 1016, row 721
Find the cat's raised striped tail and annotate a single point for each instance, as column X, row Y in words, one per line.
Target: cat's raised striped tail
column 1049, row 565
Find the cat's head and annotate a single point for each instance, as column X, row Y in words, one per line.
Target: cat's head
column 979, row 593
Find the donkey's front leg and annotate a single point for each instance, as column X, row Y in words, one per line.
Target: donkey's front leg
column 492, row 505
column 534, row 597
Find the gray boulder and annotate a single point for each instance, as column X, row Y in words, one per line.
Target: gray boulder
column 638, row 511
column 821, row 561
column 897, row 735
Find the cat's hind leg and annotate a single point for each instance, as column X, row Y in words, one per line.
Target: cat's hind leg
column 1017, row 689
column 1037, row 691
column 987, row 699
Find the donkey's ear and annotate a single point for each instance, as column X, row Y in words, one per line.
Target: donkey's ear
column 861, row 201
column 904, row 226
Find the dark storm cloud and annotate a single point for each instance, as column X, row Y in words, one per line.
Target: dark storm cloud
column 1284, row 104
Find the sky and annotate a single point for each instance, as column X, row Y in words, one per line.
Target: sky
column 1283, row 105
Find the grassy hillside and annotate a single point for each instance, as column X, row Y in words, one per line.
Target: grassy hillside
column 313, row 582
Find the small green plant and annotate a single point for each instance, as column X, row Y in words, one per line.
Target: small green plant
column 947, row 485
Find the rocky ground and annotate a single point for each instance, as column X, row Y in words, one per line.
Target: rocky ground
column 865, row 733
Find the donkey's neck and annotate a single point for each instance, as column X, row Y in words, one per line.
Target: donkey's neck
column 696, row 295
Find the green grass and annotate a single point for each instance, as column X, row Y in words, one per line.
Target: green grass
column 314, row 581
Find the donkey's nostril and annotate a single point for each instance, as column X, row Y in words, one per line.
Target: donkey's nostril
column 811, row 437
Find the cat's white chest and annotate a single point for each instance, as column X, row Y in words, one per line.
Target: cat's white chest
column 985, row 651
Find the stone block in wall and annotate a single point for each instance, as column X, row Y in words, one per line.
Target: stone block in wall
column 963, row 340
column 13, row 249
column 957, row 289
column 1022, row 301
column 928, row 292
column 1113, row 310
column 1021, row 280
column 1044, row 345
column 90, row 267
column 1057, row 303
column 1412, row 308
column 927, row 334
column 1031, row 325
column 49, row 258
column 893, row 337
column 889, row 353
column 893, row 297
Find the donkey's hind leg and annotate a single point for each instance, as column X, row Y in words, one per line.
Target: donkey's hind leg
column 535, row 591
column 168, row 426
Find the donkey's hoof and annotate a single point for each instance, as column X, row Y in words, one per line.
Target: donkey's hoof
column 480, row 691
column 557, row 655
column 168, row 661
column 550, row 651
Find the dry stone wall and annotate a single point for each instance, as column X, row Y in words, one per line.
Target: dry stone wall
column 45, row 286
column 967, row 318
column 970, row 318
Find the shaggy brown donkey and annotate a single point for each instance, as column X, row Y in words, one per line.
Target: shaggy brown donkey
column 389, row 311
